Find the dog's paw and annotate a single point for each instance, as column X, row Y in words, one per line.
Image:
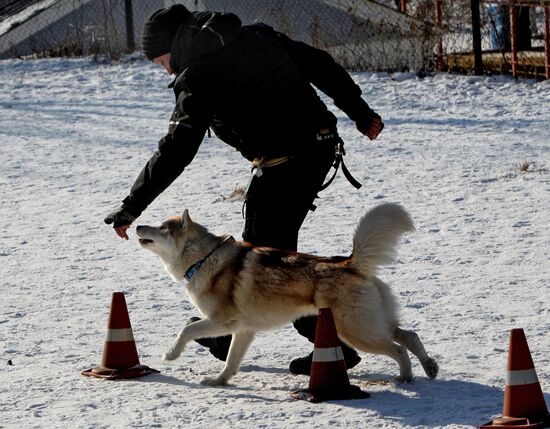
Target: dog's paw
column 171, row 355
column 218, row 381
column 408, row 379
column 430, row 367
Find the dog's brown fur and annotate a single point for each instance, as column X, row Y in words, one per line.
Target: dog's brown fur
column 241, row 289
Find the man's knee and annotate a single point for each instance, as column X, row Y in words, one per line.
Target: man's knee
column 306, row 326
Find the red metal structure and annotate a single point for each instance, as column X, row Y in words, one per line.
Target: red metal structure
column 547, row 41
column 513, row 32
column 438, row 7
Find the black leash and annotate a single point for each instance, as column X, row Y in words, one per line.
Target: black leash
column 339, row 159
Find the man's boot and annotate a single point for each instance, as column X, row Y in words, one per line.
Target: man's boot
column 218, row 346
column 307, row 326
column 302, row 365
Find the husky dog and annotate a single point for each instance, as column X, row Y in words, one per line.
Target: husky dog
column 242, row 289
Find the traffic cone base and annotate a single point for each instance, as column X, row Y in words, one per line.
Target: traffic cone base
column 321, row 395
column 511, row 423
column 328, row 379
column 117, row 374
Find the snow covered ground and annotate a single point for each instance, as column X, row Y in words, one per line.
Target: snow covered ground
column 73, row 136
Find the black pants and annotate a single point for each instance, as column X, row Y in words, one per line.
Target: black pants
column 277, row 204
column 278, row 201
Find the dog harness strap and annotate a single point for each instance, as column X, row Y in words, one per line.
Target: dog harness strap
column 192, row 270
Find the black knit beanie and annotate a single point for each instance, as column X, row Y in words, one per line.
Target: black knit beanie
column 160, row 29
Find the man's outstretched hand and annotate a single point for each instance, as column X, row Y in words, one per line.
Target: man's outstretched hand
column 121, row 219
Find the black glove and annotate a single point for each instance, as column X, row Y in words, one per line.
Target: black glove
column 120, row 217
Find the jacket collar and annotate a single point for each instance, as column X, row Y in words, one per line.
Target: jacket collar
column 201, row 34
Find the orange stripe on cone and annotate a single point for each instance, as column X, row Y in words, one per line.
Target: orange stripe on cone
column 329, row 378
column 120, row 358
column 524, row 405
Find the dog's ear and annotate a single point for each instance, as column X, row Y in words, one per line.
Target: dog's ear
column 186, row 219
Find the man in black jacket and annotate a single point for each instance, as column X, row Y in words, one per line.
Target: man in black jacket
column 253, row 87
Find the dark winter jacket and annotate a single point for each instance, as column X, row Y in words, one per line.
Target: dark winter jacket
column 253, row 87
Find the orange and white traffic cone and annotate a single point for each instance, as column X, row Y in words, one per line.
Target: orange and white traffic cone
column 120, row 357
column 524, row 405
column 328, row 379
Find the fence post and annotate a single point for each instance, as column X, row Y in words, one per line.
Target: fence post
column 513, row 38
column 476, row 37
column 547, row 41
column 439, row 21
column 130, row 41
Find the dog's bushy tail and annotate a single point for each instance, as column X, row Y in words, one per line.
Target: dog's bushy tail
column 377, row 235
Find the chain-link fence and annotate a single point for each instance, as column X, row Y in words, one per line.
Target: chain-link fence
column 72, row 27
column 420, row 35
column 360, row 34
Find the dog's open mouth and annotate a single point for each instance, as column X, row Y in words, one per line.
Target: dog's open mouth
column 144, row 241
